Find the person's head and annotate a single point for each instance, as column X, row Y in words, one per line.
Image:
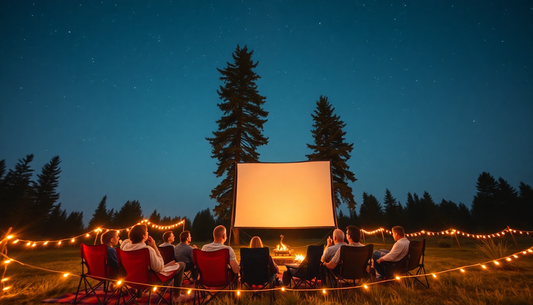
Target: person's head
column 338, row 236
column 109, row 238
column 168, row 237
column 353, row 234
column 219, row 233
column 397, row 232
column 256, row 242
column 137, row 234
column 185, row 236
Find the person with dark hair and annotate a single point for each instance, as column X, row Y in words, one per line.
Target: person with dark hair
column 353, row 235
column 168, row 239
column 110, row 239
column 399, row 250
column 137, row 237
column 183, row 251
column 219, row 236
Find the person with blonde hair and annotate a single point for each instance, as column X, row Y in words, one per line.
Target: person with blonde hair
column 256, row 242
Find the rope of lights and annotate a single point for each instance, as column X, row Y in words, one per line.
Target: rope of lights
column 483, row 265
column 452, row 232
column 34, row 243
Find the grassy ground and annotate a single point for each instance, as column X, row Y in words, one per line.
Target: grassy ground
column 509, row 283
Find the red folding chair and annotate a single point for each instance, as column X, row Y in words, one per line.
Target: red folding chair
column 167, row 252
column 213, row 271
column 94, row 258
column 139, row 275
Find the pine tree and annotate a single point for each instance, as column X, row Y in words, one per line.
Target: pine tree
column 507, row 199
column 17, row 194
column 485, row 205
column 45, row 195
column 330, row 144
column 393, row 210
column 55, row 222
column 129, row 214
column 102, row 217
column 428, row 210
column 370, row 213
column 525, row 206
column 155, row 217
column 240, row 127
column 74, row 224
column 203, row 225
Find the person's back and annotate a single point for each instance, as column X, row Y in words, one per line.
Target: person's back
column 333, row 245
column 219, row 236
column 110, row 239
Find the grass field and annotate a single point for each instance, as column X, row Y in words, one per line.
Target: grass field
column 508, row 283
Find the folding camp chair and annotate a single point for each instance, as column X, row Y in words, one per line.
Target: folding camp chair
column 255, row 270
column 167, row 252
column 139, row 275
column 94, row 258
column 308, row 272
column 213, row 271
column 413, row 260
column 353, row 265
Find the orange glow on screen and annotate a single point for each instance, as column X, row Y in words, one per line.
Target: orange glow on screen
column 284, row 195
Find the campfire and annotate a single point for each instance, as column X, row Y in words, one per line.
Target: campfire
column 282, row 249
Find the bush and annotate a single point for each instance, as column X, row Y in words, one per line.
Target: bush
column 443, row 243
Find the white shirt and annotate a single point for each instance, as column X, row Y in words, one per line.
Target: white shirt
column 217, row 246
column 156, row 261
column 399, row 250
column 330, row 251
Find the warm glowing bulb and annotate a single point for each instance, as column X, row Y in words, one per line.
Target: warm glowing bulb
column 16, row 241
column 515, row 256
column 9, row 236
column 65, row 275
column 529, row 250
column 5, row 279
column 155, row 288
column 524, row 252
column 397, row 277
column 282, row 288
column 59, row 243
column 324, row 291
column 434, row 275
column 34, row 244
column 462, row 270
column 45, row 243
column 7, row 261
column 87, row 235
column 366, row 287
column 483, row 266
column 238, row 292
column 29, row 243
column 119, row 283
column 72, row 240
column 6, row 288
column 189, row 291
column 496, row 262
column 508, row 259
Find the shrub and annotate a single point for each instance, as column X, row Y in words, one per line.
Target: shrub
column 444, row 243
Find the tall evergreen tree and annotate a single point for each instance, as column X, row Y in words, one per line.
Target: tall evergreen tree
column 485, row 206
column 129, row 214
column 17, row 194
column 102, row 217
column 370, row 213
column 330, row 144
column 393, row 211
column 74, row 224
column 507, row 199
column 202, row 226
column 240, row 127
column 55, row 222
column 428, row 209
column 45, row 195
column 155, row 217
column 525, row 206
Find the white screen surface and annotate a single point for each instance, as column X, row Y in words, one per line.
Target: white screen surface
column 284, row 195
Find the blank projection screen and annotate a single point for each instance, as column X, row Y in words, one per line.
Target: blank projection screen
column 284, row 195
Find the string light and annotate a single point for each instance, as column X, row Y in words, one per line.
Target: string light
column 189, row 291
column 5, row 279
column 155, row 288
column 66, row 274
column 238, row 293
column 324, row 291
column 6, row 288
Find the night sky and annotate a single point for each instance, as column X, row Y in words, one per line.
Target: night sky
column 433, row 93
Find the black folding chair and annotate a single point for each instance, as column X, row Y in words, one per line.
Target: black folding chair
column 167, row 253
column 413, row 260
column 255, row 270
column 308, row 272
column 353, row 265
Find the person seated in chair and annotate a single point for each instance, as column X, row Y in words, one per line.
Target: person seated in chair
column 168, row 239
column 183, row 251
column 219, row 236
column 399, row 250
column 137, row 237
column 353, row 235
column 110, row 239
column 333, row 245
column 256, row 242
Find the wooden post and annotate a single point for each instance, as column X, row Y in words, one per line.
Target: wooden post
column 236, row 239
column 96, row 237
column 363, row 233
column 510, row 231
column 383, row 236
column 457, row 239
